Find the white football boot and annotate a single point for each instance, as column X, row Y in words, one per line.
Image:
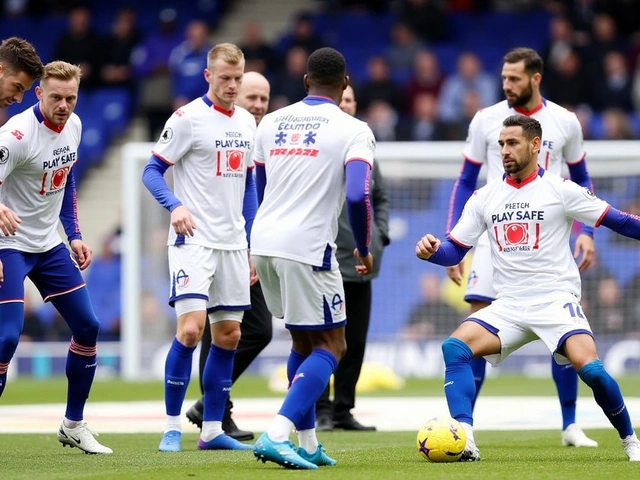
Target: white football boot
column 81, row 437
column 573, row 436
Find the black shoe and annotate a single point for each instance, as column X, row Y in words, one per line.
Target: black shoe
column 350, row 423
column 231, row 429
column 194, row 414
column 324, row 423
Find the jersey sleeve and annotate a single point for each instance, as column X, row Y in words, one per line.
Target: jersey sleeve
column 176, row 138
column 475, row 148
column 363, row 146
column 582, row 204
column 573, row 151
column 471, row 224
column 258, row 152
column 14, row 150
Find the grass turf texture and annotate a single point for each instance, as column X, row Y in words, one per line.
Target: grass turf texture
column 27, row 391
column 376, row 455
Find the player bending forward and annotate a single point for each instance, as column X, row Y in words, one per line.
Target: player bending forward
column 536, row 278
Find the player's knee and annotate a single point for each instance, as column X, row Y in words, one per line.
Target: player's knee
column 8, row 344
column 85, row 329
column 593, row 373
column 455, row 350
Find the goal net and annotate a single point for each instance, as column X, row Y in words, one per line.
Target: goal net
column 413, row 302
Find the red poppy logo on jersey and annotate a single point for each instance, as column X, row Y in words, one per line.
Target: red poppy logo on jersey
column 516, row 233
column 235, row 160
column 59, row 178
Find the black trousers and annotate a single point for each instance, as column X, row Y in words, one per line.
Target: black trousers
column 256, row 331
column 357, row 297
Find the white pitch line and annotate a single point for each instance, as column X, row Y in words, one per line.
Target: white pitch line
column 386, row 413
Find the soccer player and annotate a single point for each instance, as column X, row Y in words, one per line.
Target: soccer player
column 209, row 142
column 20, row 66
column 306, row 155
column 527, row 214
column 357, row 291
column 521, row 77
column 38, row 149
column 256, row 327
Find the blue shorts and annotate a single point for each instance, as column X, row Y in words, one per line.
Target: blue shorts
column 53, row 273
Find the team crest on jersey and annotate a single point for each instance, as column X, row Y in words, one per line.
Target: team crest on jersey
column 166, row 135
column 585, row 191
column 4, row 155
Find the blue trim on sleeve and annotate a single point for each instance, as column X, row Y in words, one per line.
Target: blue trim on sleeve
column 261, row 182
column 448, row 254
column 249, row 204
column 358, row 203
column 578, row 173
column 622, row 222
column 153, row 179
column 69, row 211
column 462, row 191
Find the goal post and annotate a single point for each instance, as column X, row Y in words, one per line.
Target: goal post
column 148, row 325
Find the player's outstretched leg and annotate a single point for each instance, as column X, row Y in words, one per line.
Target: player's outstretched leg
column 459, row 388
column 566, row 380
column 606, row 393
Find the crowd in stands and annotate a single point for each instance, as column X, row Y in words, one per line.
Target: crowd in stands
column 420, row 68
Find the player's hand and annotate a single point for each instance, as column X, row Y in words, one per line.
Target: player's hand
column 253, row 274
column 182, row 221
column 8, row 221
column 584, row 245
column 82, row 253
column 366, row 263
column 427, row 246
column 456, row 273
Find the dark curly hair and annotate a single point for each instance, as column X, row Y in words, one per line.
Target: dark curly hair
column 326, row 67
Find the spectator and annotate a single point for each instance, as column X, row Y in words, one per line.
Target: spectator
column 608, row 315
column 561, row 41
column 613, row 89
column 258, row 54
column 469, row 76
column 82, row 46
column 187, row 63
column 382, row 120
column 379, row 86
column 426, row 78
column 150, row 62
column 564, row 82
column 424, row 125
column 118, row 47
column 616, row 125
column 431, row 316
column 604, row 40
column 459, row 130
column 427, row 19
column 288, row 87
column 302, row 35
column 402, row 51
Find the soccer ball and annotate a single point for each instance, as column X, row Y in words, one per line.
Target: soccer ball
column 441, row 439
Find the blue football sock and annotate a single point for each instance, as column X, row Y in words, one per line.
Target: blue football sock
column 479, row 368
column 308, row 384
column 80, row 369
column 177, row 372
column 459, row 386
column 607, row 394
column 566, row 379
column 216, row 382
column 308, row 420
column 12, row 314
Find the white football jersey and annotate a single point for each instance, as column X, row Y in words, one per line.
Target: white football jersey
column 35, row 160
column 304, row 148
column 210, row 151
column 562, row 138
column 528, row 226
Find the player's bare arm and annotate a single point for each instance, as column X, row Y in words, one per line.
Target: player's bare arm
column 456, row 273
column 8, row 221
column 585, row 250
column 182, row 221
column 427, row 246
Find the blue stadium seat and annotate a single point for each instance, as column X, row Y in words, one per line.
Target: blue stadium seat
column 114, row 105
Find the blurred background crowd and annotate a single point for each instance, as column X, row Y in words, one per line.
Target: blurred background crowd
column 421, row 69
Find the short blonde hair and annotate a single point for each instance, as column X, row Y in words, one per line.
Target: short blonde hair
column 227, row 52
column 60, row 70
